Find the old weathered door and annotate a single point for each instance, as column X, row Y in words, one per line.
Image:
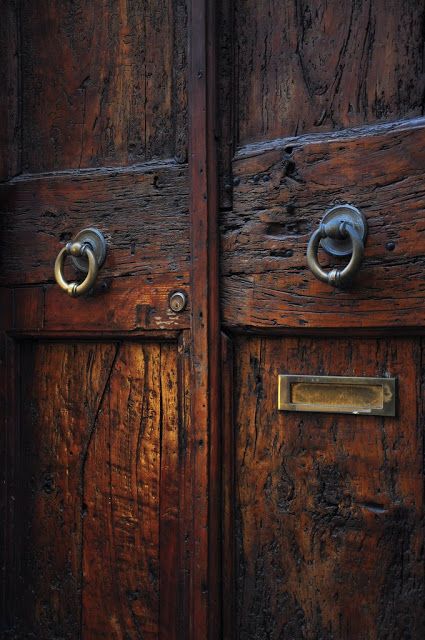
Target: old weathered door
column 111, row 497
column 105, row 432
column 324, row 527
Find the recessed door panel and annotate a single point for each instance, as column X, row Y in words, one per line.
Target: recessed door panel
column 96, row 421
column 328, row 507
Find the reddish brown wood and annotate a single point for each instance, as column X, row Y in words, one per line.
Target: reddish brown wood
column 317, row 66
column 228, row 484
column 10, row 531
column 95, row 478
column 204, row 603
column 142, row 211
column 326, row 510
column 329, row 508
column 102, row 85
column 9, row 99
column 279, row 199
column 170, row 529
column 99, row 464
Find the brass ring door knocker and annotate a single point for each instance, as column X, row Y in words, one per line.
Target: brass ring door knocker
column 342, row 232
column 88, row 252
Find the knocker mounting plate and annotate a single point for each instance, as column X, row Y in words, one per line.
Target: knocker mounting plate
column 343, row 213
column 97, row 243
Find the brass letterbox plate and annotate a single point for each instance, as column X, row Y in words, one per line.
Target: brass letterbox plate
column 337, row 394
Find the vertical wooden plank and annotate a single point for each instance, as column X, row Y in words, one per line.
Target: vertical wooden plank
column 121, row 500
column 10, row 533
column 185, row 456
column 169, row 497
column 228, row 484
column 205, row 564
column 62, row 387
column 9, row 82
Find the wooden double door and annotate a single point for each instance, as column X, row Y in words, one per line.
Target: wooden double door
column 152, row 487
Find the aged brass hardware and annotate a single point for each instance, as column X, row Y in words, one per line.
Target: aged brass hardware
column 177, row 301
column 337, row 394
column 88, row 252
column 342, row 232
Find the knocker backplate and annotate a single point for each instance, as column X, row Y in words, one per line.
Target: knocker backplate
column 343, row 213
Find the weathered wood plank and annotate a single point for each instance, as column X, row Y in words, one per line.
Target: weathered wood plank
column 133, row 304
column 170, row 530
column 143, row 213
column 99, row 463
column 316, row 66
column 281, row 193
column 102, row 84
column 204, row 614
column 9, row 98
column 329, row 508
column 121, row 484
column 61, row 393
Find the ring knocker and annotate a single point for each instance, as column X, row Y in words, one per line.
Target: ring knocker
column 342, row 232
column 88, row 252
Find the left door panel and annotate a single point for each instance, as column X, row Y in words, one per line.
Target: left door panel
column 94, row 134
column 95, row 421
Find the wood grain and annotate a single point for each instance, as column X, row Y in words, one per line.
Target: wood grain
column 102, row 84
column 310, row 65
column 142, row 211
column 281, row 193
column 92, row 503
column 329, row 508
column 205, row 564
column 9, row 98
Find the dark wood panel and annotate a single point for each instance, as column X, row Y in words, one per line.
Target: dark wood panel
column 94, row 502
column 61, row 394
column 102, row 84
column 205, row 566
column 9, row 107
column 310, row 65
column 143, row 213
column 329, row 508
column 282, row 191
column 126, row 304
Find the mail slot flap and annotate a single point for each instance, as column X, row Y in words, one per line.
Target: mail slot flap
column 337, row 394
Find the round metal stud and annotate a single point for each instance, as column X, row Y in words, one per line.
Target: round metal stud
column 177, row 301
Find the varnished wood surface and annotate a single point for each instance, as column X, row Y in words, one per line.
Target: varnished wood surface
column 329, row 508
column 93, row 505
column 309, row 66
column 102, row 84
column 281, row 193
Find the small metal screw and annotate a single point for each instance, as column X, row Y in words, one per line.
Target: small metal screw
column 177, row 301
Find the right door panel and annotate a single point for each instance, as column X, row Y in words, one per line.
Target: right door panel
column 328, row 515
column 323, row 511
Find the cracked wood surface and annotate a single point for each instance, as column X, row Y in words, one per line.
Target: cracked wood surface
column 142, row 212
column 281, row 192
column 102, row 84
column 323, row 513
column 96, row 487
column 311, row 65
column 99, row 422
column 329, row 515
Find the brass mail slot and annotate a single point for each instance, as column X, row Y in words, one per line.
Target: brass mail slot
column 337, row 394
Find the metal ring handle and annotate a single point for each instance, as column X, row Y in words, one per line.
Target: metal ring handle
column 336, row 277
column 75, row 289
